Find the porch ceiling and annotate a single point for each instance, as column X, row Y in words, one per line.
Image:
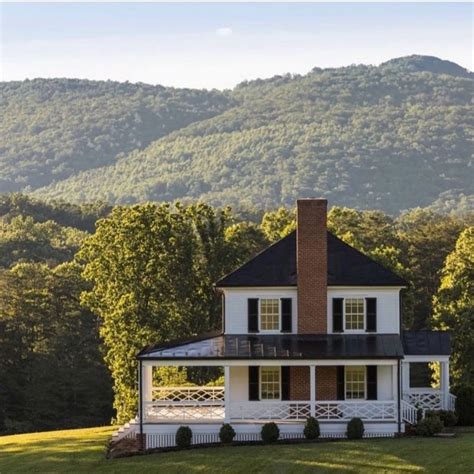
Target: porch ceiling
column 291, row 347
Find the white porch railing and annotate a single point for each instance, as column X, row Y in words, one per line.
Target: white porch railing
column 430, row 399
column 270, row 410
column 195, row 394
column 345, row 410
column 409, row 412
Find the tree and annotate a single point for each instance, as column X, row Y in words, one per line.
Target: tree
column 277, row 224
column 152, row 268
column 51, row 366
column 454, row 306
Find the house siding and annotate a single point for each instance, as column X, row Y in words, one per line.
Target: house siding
column 388, row 306
column 299, row 383
column 236, row 306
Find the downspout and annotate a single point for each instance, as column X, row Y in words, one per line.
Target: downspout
column 140, row 397
column 399, row 399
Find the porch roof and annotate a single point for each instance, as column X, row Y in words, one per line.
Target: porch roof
column 291, row 346
column 427, row 343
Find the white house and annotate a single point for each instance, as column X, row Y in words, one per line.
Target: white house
column 311, row 327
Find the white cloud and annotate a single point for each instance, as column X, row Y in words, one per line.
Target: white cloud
column 224, row 31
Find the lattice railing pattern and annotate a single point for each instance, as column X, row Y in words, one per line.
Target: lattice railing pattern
column 376, row 410
column 270, row 410
column 184, row 411
column 188, row 394
column 432, row 400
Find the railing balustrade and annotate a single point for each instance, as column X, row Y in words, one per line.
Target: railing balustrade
column 366, row 410
column 270, row 410
column 188, row 394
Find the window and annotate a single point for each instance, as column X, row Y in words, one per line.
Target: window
column 355, row 314
column 355, row 383
column 269, row 314
column 270, row 383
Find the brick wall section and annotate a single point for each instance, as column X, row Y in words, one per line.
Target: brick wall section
column 299, row 383
column 311, row 258
column 326, row 383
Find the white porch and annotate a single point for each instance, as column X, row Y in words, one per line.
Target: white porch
column 427, row 397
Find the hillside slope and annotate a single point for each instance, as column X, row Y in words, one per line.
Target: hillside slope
column 51, row 129
column 390, row 137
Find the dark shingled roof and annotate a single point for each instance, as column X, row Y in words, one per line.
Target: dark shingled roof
column 276, row 266
column 294, row 346
column 426, row 343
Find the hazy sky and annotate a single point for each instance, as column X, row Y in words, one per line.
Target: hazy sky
column 219, row 45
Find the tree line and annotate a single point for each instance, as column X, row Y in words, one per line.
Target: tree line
column 76, row 306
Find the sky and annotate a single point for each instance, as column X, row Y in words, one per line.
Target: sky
column 219, row 45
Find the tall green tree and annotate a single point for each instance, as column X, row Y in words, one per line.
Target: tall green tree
column 454, row 306
column 51, row 366
column 151, row 268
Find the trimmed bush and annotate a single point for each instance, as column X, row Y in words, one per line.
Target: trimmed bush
column 429, row 426
column 355, row 429
column 184, row 435
column 270, row 432
column 465, row 404
column 448, row 417
column 311, row 428
column 226, row 433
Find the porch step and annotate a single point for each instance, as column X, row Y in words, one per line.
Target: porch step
column 127, row 429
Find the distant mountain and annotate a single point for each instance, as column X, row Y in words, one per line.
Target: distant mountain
column 390, row 137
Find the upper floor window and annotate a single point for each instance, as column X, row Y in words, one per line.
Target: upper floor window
column 270, row 314
column 354, row 311
column 355, row 385
column 270, row 383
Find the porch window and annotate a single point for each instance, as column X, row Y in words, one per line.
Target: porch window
column 270, row 314
column 355, row 383
column 270, row 383
column 354, row 310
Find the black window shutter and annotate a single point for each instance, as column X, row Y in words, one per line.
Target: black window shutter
column 371, row 306
column 286, row 315
column 285, row 383
column 253, row 314
column 371, row 382
column 337, row 313
column 341, row 395
column 253, row 383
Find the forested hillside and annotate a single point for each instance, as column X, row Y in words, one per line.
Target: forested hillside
column 390, row 137
column 53, row 128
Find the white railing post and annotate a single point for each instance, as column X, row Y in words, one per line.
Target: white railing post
column 312, row 389
column 227, row 394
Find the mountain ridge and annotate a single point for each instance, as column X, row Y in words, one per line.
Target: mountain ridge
column 390, row 136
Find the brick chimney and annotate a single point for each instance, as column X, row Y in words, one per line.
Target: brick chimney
column 311, row 262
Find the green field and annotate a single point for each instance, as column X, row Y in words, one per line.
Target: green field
column 76, row 451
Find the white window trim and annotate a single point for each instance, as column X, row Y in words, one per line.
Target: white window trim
column 365, row 382
column 354, row 331
column 260, row 384
column 269, row 331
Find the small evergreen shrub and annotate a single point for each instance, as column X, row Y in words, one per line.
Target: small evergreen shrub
column 226, row 433
column 355, row 429
column 184, row 435
column 429, row 426
column 419, row 414
column 311, row 428
column 465, row 404
column 448, row 417
column 270, row 432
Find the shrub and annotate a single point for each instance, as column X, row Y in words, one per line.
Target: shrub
column 355, row 428
column 465, row 404
column 448, row 417
column 311, row 428
column 429, row 426
column 270, row 432
column 226, row 433
column 184, row 435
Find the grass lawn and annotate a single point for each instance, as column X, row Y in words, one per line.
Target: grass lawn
column 76, row 451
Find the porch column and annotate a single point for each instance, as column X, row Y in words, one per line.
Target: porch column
column 147, row 383
column 226, row 394
column 444, row 379
column 312, row 389
column 405, row 377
